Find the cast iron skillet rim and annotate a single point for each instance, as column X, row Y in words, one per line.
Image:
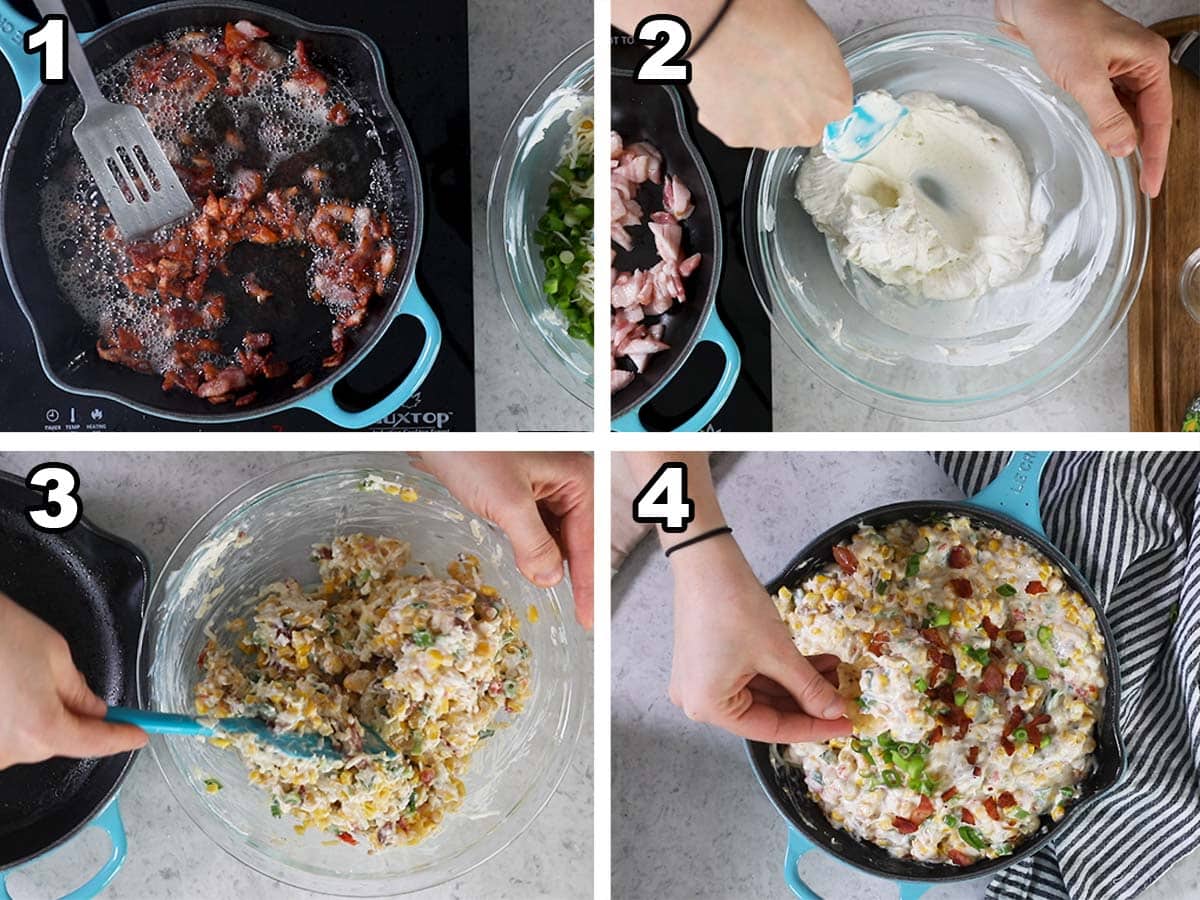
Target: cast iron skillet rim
column 643, row 390
column 120, row 545
column 758, row 753
column 416, row 226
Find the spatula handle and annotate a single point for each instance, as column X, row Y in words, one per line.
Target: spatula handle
column 81, row 69
column 156, row 722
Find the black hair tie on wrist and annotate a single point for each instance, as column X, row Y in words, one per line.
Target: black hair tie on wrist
column 716, row 532
column 712, row 26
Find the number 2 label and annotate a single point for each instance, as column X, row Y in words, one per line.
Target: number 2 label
column 664, row 500
column 61, row 507
column 665, row 65
column 50, row 39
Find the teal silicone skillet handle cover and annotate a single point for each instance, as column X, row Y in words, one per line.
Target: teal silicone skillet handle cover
column 715, row 332
column 1016, row 489
column 110, row 821
column 26, row 67
column 799, row 845
column 325, row 405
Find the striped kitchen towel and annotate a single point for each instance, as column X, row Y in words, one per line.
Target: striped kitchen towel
column 1131, row 522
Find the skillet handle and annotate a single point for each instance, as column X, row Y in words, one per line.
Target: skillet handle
column 714, row 332
column 26, row 67
column 109, row 820
column 799, row 845
column 323, row 404
column 1016, row 489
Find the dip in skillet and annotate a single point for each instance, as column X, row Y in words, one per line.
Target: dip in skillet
column 975, row 675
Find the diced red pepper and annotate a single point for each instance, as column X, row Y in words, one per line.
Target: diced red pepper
column 348, row 838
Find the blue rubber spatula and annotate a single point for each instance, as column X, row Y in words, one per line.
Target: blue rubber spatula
column 301, row 746
column 872, row 119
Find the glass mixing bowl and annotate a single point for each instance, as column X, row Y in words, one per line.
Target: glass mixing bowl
column 517, row 200
column 263, row 532
column 950, row 360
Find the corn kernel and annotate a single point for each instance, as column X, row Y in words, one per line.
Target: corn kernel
column 533, row 614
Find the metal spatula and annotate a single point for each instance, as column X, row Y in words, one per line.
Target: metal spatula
column 133, row 174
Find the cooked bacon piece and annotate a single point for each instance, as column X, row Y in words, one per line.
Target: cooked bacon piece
column 1035, row 587
column 967, row 816
column 1009, row 747
column 247, row 185
column 949, row 795
column 923, row 811
column 1006, row 800
column 962, row 587
column 1015, row 637
column 252, row 287
column 989, row 629
column 222, row 384
column 989, row 804
column 958, row 857
column 879, row 643
column 903, row 825
column 305, row 75
column 936, row 735
column 935, row 637
column 315, row 179
column 339, row 114
column 304, row 381
column 960, row 557
column 973, row 755
column 1017, row 682
column 845, row 559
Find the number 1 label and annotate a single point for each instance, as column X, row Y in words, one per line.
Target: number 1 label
column 50, row 40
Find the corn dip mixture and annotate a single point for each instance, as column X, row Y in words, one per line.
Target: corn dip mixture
column 975, row 676
column 430, row 664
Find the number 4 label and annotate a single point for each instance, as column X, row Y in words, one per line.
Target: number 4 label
column 671, row 38
column 50, row 38
column 664, row 500
column 61, row 507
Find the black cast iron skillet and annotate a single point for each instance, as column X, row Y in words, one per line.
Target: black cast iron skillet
column 1010, row 505
column 90, row 587
column 66, row 344
column 654, row 114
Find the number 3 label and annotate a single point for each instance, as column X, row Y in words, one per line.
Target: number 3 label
column 671, row 37
column 61, row 506
column 664, row 500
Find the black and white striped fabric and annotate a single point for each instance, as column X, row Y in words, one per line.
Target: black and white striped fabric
column 1130, row 521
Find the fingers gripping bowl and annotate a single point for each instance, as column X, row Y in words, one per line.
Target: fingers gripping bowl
column 264, row 532
column 947, row 360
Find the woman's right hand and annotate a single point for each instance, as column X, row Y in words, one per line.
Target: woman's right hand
column 734, row 663
column 770, row 75
column 46, row 706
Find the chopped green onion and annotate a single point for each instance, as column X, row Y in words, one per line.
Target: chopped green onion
column 486, row 733
column 881, row 586
column 890, row 778
column 972, row 837
column 950, row 820
column 275, row 810
column 913, row 567
column 1044, row 635
column 960, row 698
column 1045, row 742
column 1067, row 792
column 979, row 654
column 1042, row 673
column 422, row 638
column 1020, row 735
column 921, row 685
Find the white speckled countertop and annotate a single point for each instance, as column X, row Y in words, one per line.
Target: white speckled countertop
column 689, row 820
column 1095, row 400
column 151, row 499
column 514, row 45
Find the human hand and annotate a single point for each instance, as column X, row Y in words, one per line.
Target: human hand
column 770, row 75
column 542, row 501
column 1117, row 70
column 734, row 663
column 46, row 706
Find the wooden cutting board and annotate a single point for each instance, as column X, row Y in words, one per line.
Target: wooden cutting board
column 1164, row 340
